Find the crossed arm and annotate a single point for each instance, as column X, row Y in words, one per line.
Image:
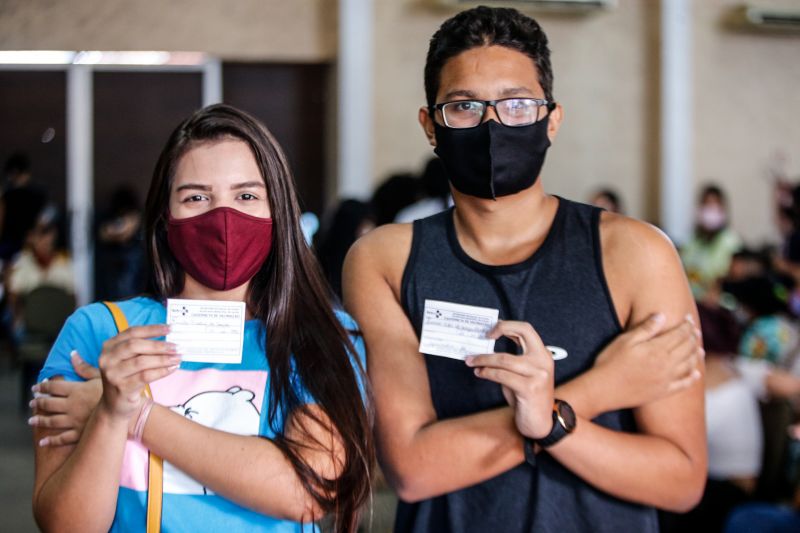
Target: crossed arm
column 664, row 465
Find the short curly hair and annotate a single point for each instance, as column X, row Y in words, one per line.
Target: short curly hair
column 487, row 26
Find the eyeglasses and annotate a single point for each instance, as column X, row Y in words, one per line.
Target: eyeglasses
column 510, row 111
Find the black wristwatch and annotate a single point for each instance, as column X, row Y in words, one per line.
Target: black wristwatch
column 563, row 424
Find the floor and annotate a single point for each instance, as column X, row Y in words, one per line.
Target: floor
column 16, row 458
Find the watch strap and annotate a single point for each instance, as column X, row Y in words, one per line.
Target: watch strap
column 559, row 431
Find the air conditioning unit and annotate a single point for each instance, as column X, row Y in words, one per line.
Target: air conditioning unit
column 563, row 6
column 754, row 18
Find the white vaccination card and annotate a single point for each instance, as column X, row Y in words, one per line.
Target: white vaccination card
column 456, row 330
column 207, row 331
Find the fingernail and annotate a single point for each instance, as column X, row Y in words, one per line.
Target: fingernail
column 702, row 353
column 73, row 354
column 44, row 442
column 468, row 361
column 477, row 371
column 35, row 388
column 698, row 332
column 658, row 318
column 696, row 374
column 165, row 329
column 32, row 421
column 690, row 318
column 31, row 403
column 173, row 367
column 176, row 359
column 172, row 347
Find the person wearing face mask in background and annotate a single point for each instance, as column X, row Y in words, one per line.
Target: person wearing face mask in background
column 707, row 256
column 273, row 443
column 516, row 441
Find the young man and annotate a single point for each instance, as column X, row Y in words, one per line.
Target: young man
column 489, row 444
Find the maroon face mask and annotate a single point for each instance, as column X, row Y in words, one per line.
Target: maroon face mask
column 222, row 248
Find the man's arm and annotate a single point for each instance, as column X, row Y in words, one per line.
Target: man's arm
column 414, row 447
column 666, row 464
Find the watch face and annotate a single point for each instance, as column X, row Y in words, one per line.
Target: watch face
column 566, row 415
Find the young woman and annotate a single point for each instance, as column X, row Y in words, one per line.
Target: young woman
column 283, row 438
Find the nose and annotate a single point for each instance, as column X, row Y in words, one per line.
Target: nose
column 490, row 114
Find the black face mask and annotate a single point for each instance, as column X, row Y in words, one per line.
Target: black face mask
column 491, row 159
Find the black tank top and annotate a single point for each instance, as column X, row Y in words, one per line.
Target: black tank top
column 561, row 291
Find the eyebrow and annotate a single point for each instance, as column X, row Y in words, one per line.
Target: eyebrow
column 515, row 91
column 459, row 92
column 193, row 186
column 248, row 185
column 234, row 187
column 511, row 91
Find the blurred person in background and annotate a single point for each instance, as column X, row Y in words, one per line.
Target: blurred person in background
column 770, row 333
column 787, row 261
column 393, row 195
column 350, row 220
column 772, row 337
column 119, row 264
column 435, row 190
column 707, row 256
column 43, row 261
column 607, row 199
column 20, row 205
column 733, row 428
column 769, row 517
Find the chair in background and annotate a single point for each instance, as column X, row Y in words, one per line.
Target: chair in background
column 44, row 311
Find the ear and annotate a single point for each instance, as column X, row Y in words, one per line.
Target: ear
column 554, row 122
column 426, row 121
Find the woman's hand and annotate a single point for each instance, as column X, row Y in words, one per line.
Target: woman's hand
column 66, row 405
column 645, row 364
column 129, row 362
column 527, row 379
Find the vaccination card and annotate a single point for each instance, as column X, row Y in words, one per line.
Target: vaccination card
column 207, row 331
column 456, row 330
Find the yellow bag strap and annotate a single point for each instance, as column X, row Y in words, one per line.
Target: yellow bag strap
column 155, row 471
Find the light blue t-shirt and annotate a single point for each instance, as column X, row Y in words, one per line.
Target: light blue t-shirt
column 231, row 398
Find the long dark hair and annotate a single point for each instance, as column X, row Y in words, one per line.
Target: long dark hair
column 306, row 341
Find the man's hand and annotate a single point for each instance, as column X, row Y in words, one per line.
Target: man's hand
column 527, row 379
column 645, row 364
column 66, row 405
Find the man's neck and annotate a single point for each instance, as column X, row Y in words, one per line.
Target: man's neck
column 506, row 230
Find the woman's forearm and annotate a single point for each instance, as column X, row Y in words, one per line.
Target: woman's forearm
column 80, row 493
column 248, row 470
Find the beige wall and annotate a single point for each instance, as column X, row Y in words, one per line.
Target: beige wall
column 603, row 72
column 277, row 30
column 606, row 67
column 746, row 107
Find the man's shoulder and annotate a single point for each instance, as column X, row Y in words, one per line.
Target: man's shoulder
column 639, row 261
column 378, row 257
column 385, row 245
column 633, row 240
